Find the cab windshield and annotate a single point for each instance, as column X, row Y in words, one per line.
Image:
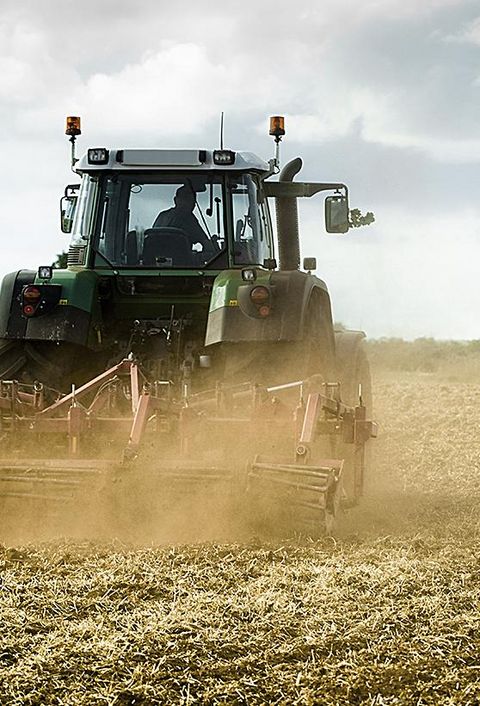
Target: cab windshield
column 180, row 221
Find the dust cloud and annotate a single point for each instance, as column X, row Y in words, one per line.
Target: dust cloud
column 423, row 474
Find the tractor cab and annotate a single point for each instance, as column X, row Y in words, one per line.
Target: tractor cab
column 168, row 209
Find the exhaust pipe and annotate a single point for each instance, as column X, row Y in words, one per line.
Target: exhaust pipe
column 287, row 221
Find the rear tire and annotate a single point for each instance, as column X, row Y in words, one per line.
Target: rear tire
column 12, row 359
column 56, row 365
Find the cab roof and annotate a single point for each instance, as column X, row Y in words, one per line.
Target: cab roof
column 123, row 160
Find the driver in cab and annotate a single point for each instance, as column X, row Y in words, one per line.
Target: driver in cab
column 181, row 216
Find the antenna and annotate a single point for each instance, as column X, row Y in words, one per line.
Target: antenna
column 221, row 129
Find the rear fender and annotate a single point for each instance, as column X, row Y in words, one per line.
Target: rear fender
column 12, row 323
column 232, row 318
column 71, row 319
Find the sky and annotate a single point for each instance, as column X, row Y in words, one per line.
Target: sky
column 381, row 94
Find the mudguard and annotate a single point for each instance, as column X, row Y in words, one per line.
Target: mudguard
column 70, row 320
column 12, row 323
column 232, row 318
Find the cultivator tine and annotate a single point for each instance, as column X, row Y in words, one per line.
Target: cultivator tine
column 142, row 410
column 134, row 387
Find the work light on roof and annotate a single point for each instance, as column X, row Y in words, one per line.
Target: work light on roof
column 223, row 157
column 98, row 155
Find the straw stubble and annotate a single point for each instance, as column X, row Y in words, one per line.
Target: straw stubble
column 385, row 613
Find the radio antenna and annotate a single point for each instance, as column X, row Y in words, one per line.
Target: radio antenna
column 221, row 130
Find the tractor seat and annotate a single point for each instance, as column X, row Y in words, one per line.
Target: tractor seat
column 167, row 247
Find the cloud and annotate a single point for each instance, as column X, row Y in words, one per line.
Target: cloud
column 19, row 84
column 330, row 69
column 469, row 34
column 169, row 93
column 382, row 123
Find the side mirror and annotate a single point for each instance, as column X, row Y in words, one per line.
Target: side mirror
column 336, row 214
column 68, row 204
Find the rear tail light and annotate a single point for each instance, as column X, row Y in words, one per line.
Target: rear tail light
column 259, row 295
column 39, row 299
column 31, row 297
column 32, row 294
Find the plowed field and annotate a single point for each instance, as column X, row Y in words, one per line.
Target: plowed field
column 385, row 613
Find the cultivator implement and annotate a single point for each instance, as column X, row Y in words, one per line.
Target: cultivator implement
column 277, row 451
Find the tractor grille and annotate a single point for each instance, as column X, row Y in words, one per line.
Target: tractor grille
column 76, row 255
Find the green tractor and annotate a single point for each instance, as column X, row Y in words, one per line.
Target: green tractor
column 175, row 339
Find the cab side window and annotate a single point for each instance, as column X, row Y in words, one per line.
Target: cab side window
column 250, row 223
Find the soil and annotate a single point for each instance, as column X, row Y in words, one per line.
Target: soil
column 385, row 612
